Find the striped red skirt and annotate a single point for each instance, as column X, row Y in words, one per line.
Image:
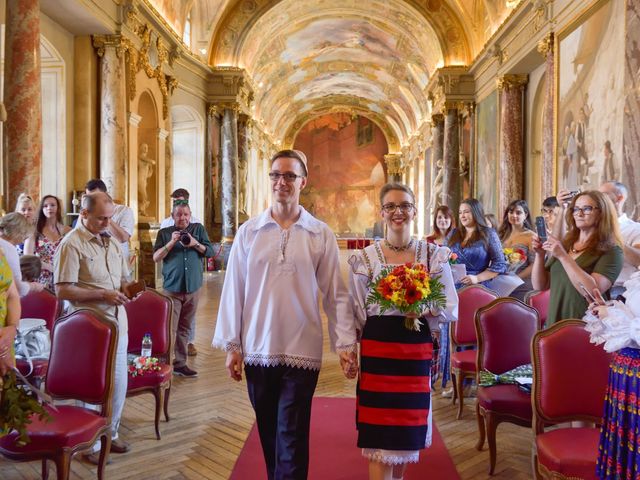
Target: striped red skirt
column 394, row 388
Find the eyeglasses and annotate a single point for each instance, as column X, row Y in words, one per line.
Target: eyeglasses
column 584, row 210
column 288, row 177
column 547, row 211
column 405, row 207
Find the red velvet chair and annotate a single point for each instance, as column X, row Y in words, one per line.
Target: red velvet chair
column 152, row 313
column 539, row 299
column 463, row 333
column 570, row 381
column 44, row 305
column 504, row 329
column 81, row 367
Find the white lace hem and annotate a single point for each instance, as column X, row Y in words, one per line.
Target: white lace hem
column 391, row 457
column 227, row 346
column 352, row 348
column 273, row 360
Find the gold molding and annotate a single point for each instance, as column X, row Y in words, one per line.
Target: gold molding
column 545, row 45
column 512, row 81
column 395, row 165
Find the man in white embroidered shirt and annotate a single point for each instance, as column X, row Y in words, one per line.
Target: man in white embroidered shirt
column 269, row 317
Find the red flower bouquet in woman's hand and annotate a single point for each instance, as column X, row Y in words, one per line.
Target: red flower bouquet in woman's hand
column 516, row 257
column 408, row 288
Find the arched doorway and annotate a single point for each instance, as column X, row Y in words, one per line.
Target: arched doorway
column 346, row 169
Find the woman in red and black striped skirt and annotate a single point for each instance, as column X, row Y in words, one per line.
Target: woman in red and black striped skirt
column 394, row 388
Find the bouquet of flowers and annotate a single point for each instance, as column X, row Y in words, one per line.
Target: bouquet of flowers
column 141, row 365
column 408, row 288
column 516, row 257
column 17, row 405
column 453, row 258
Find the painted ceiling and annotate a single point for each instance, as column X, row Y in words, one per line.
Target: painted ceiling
column 307, row 58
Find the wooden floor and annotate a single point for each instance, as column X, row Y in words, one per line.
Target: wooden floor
column 211, row 417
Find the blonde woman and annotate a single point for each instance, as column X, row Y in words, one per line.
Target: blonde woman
column 27, row 208
column 14, row 228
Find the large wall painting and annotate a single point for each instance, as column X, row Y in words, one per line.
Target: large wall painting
column 591, row 68
column 345, row 171
column 486, row 174
column 630, row 165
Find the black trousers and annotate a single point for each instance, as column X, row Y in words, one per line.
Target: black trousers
column 281, row 397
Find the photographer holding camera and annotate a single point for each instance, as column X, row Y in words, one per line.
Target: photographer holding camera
column 181, row 248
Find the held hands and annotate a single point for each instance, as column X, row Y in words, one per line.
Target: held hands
column 349, row 364
column 469, row 280
column 234, row 365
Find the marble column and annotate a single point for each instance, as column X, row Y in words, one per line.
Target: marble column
column 229, row 173
column 113, row 119
column 210, row 170
column 244, row 124
column 545, row 47
column 511, row 169
column 437, row 132
column 450, row 157
column 394, row 167
column 164, row 164
column 23, row 100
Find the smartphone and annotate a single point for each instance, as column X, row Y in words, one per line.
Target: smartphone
column 541, row 229
column 587, row 294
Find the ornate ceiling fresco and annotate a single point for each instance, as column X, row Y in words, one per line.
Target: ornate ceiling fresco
column 307, row 58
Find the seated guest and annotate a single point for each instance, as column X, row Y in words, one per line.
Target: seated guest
column 47, row 237
column 26, row 207
column 629, row 233
column 30, row 267
column 550, row 207
column 14, row 228
column 443, row 223
column 588, row 257
column 477, row 246
column 516, row 232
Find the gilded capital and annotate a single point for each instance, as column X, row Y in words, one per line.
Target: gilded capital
column 102, row 42
column 510, row 81
column 394, row 163
column 545, row 45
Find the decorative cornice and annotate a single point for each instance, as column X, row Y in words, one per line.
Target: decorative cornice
column 510, row 81
column 394, row 164
column 134, row 119
column 102, row 42
column 545, row 45
column 230, row 86
column 449, row 87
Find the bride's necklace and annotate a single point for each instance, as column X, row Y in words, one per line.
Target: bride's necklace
column 401, row 248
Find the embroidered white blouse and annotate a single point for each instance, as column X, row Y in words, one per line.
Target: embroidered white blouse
column 367, row 264
column 269, row 304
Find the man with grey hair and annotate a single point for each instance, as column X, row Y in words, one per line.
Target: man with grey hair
column 181, row 248
column 91, row 271
column 629, row 230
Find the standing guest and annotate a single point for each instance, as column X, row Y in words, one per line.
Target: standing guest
column 90, row 271
column 14, row 228
column 25, row 206
column 517, row 232
column 47, row 237
column 9, row 317
column 443, row 223
column 122, row 222
column 477, row 246
column 269, row 316
column 550, row 207
column 615, row 325
column 629, row 233
column 394, row 426
column 181, row 249
column 589, row 256
column 182, row 194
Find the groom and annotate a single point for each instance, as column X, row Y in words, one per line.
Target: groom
column 269, row 317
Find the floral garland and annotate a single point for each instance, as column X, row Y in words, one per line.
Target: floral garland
column 141, row 365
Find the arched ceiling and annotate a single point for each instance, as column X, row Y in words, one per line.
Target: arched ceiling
column 371, row 57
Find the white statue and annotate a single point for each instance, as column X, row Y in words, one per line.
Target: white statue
column 145, row 171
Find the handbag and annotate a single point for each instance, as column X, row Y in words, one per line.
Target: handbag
column 33, row 341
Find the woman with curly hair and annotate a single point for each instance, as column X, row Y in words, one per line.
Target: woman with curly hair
column 588, row 257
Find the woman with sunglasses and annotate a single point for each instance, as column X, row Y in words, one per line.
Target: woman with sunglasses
column 393, row 425
column 588, row 257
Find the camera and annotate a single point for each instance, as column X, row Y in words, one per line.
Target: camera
column 184, row 238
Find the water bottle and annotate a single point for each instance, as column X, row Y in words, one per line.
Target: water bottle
column 146, row 345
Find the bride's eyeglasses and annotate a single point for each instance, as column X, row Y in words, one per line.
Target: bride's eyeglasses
column 404, row 207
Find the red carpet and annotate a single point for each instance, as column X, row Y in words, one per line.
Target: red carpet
column 334, row 455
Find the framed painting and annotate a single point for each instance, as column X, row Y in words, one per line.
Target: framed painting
column 487, row 150
column 590, row 62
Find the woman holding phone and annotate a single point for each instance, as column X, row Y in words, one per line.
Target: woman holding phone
column 588, row 257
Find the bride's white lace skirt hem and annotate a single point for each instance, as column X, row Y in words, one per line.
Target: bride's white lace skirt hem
column 391, row 457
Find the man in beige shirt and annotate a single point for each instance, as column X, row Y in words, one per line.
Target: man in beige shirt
column 90, row 271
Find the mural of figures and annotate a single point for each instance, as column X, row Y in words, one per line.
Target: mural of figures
column 591, row 99
column 630, row 173
column 487, row 153
column 346, row 157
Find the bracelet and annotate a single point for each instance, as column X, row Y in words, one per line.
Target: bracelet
column 165, row 248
